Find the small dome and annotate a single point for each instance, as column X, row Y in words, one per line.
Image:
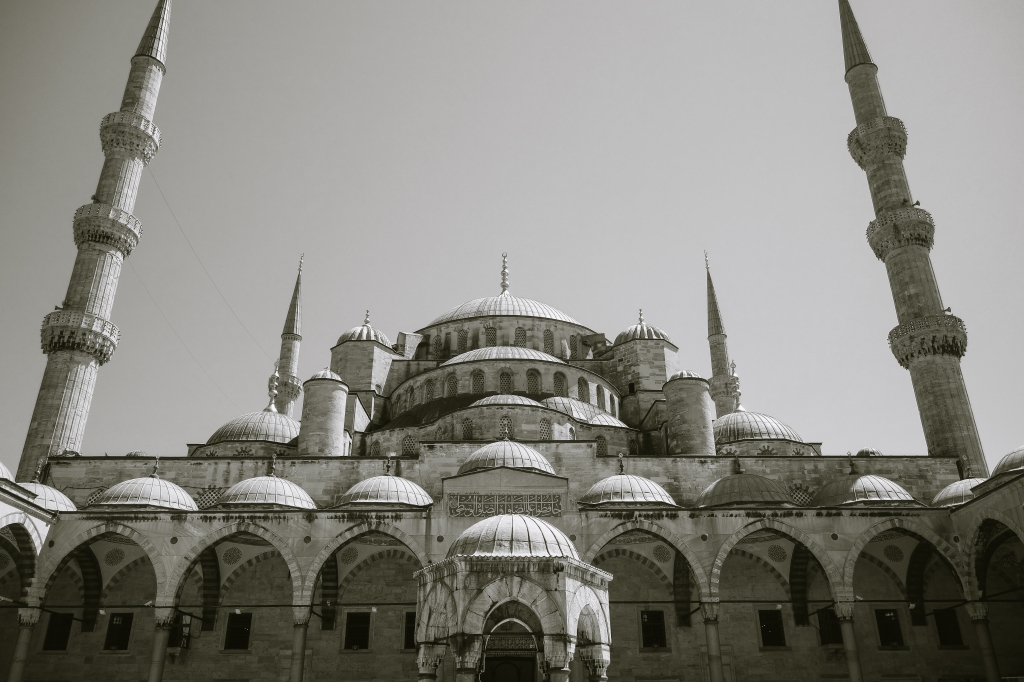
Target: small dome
column 267, row 490
column 5, row 472
column 49, row 498
column 365, row 332
column 381, row 490
column 137, row 453
column 502, row 305
column 685, row 374
column 513, row 535
column 581, row 411
column 855, row 489
column 506, row 399
column 146, row 492
column 605, row 419
column 325, row 373
column 957, row 492
column 641, row 331
column 743, row 425
column 868, row 452
column 1012, row 462
column 506, row 453
column 502, row 353
column 267, row 425
column 744, row 489
column 627, row 491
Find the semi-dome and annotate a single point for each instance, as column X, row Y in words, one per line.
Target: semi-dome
column 502, row 305
column 268, row 425
column 1011, row 462
column 49, row 498
column 150, row 491
column 502, row 353
column 641, row 331
column 626, row 490
column 266, row 491
column 386, row 490
column 868, row 489
column 325, row 373
column 957, row 492
column 506, row 453
column 365, row 332
column 743, row 425
column 743, row 489
column 513, row 535
column 506, row 399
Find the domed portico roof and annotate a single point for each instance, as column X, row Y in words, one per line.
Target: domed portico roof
column 744, row 489
column 386, row 490
column 1014, row 461
column 641, row 331
column 266, row 491
column 148, row 492
column 268, row 425
column 869, row 489
column 502, row 353
column 743, row 425
column 506, row 399
column 49, row 498
column 365, row 332
column 957, row 492
column 513, row 535
column 506, row 453
column 626, row 490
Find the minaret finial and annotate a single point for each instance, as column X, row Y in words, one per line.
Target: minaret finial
column 366, row 320
column 272, row 389
column 707, row 262
column 302, row 257
column 855, row 50
column 504, row 273
column 622, row 464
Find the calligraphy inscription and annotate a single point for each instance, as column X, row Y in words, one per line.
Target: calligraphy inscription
column 491, row 504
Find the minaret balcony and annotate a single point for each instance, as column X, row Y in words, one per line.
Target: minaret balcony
column 903, row 227
column 932, row 335
column 106, row 224
column 130, row 132
column 80, row 331
column 869, row 143
column 289, row 387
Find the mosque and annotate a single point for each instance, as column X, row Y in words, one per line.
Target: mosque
column 508, row 495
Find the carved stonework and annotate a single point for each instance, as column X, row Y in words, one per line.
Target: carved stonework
column 905, row 227
column 130, row 132
column 105, row 224
column 871, row 142
column 844, row 610
column 709, row 609
column 932, row 335
column 978, row 610
column 76, row 330
column 492, row 504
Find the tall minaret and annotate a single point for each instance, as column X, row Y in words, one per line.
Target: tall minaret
column 290, row 387
column 929, row 341
column 78, row 336
column 725, row 385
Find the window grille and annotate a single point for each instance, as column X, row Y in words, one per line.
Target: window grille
column 533, row 382
column 505, row 428
column 428, row 391
column 375, row 449
column 452, row 389
column 549, row 342
column 545, row 429
column 437, row 346
column 463, row 340
column 505, row 383
column 520, row 337
column 411, row 401
column 119, row 632
column 208, row 496
column 583, row 390
column 634, row 449
column 478, row 382
column 491, row 336
column 572, row 433
column 602, row 446
column 95, row 495
column 408, row 446
column 652, row 630
column 574, row 347
column 560, row 388
column 447, row 343
column 801, row 495
column 467, row 429
column 600, row 397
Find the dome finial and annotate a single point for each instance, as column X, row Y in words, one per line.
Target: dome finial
column 273, row 464
column 641, row 315
column 272, row 389
column 156, row 469
column 366, row 320
column 387, row 465
column 622, row 464
column 504, row 272
column 39, row 471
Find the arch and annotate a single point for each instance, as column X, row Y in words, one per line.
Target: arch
column 832, row 573
column 505, row 383
column 640, row 558
column 587, row 617
column 583, row 389
column 375, row 449
column 369, row 561
column 515, row 611
column 977, row 546
column 409, row 446
column 16, row 519
column 520, row 337
column 602, row 446
column 174, row 586
column 478, row 381
column 703, row 586
column 451, row 386
column 891, row 574
column 25, row 546
column 437, row 618
column 944, row 550
column 532, row 382
column 241, row 568
column 561, row 386
column 634, row 448
column 513, row 588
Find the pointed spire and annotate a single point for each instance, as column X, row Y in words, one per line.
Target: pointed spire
column 715, row 325
column 504, row 273
column 293, row 322
column 154, row 40
column 854, row 49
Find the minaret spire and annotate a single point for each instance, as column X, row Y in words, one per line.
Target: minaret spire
column 928, row 341
column 291, row 338
column 725, row 385
column 78, row 337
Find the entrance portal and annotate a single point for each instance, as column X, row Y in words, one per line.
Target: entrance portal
column 510, row 653
column 509, row 669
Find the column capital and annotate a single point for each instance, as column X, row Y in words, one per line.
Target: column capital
column 844, row 609
column 978, row 610
column 558, row 651
column 164, row 616
column 709, row 609
column 428, row 657
column 29, row 616
column 467, row 650
column 300, row 615
column 597, row 658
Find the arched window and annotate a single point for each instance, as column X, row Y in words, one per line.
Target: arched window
column 375, row 449
column 600, row 397
column 467, row 429
column 491, row 336
column 602, row 446
column 574, row 347
column 463, row 340
column 451, row 387
column 505, row 428
column 520, row 339
column 545, row 429
column 561, row 389
column 583, row 390
column 478, row 382
column 634, row 449
column 437, row 346
column 549, row 342
column 409, row 446
column 505, row 383
column 533, row 382
column 447, row 344
column 428, row 391
column 614, row 406
column 572, row 433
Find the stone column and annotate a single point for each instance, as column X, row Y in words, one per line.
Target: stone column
column 844, row 611
column 27, row 619
column 300, row 617
column 709, row 610
column 468, row 650
column 597, row 658
column 428, row 658
column 558, row 652
column 163, row 621
column 979, row 616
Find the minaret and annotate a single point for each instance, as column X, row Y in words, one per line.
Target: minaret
column 928, row 341
column 78, row 336
column 291, row 338
column 725, row 385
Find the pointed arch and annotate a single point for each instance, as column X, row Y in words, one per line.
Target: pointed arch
column 21, row 519
column 241, row 568
column 26, row 547
column 977, row 547
column 586, row 613
column 513, row 588
column 639, row 558
column 437, row 618
column 120, row 575
column 395, row 553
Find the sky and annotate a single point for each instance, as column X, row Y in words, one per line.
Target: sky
column 402, row 147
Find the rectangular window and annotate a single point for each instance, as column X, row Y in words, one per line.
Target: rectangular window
column 652, row 630
column 948, row 626
column 357, row 630
column 410, row 630
column 58, row 631
column 236, row 634
column 181, row 632
column 889, row 633
column 772, row 632
column 119, row 632
column 828, row 627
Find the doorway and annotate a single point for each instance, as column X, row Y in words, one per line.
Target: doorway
column 509, row 669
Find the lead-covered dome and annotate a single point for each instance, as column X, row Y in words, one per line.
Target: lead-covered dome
column 626, row 490
column 49, row 498
column 266, row 491
column 581, row 411
column 506, row 453
column 743, row 425
column 365, row 332
column 502, row 305
column 641, row 331
column 506, row 399
column 957, row 492
column 1011, row 462
column 268, row 425
column 325, row 373
column 744, row 489
column 149, row 492
column 868, row 489
column 386, row 490
column 513, row 535
column 502, row 353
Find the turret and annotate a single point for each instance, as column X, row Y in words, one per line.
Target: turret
column 288, row 362
column 725, row 385
column 78, row 336
column 689, row 415
column 322, row 431
column 928, row 341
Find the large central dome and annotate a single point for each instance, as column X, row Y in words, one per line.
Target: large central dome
column 504, row 304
